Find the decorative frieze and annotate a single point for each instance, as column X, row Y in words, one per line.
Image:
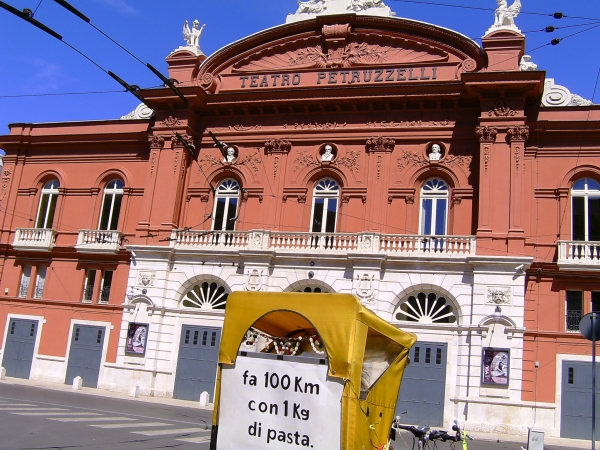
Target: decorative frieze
column 315, row 126
column 278, row 146
column 349, row 161
column 486, row 134
column 171, row 121
column 6, row 176
column 520, row 133
column 253, row 161
column 501, row 110
column 414, row 159
column 275, row 167
column 380, row 144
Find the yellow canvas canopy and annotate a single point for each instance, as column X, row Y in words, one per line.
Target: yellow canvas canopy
column 353, row 336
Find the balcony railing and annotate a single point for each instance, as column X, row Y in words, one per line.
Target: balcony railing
column 582, row 253
column 104, row 295
column 88, row 293
column 443, row 246
column 34, row 239
column 572, row 320
column 99, row 241
column 23, row 290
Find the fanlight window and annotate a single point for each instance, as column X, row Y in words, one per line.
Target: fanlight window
column 47, row 206
column 226, row 205
column 586, row 210
column 427, row 308
column 325, row 204
column 434, row 207
column 111, row 205
column 313, row 290
column 206, row 295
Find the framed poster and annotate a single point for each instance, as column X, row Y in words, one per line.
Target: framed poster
column 137, row 336
column 495, row 366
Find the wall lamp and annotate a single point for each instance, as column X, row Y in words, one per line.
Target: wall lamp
column 131, row 293
column 497, row 314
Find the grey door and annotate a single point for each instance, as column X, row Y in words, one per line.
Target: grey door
column 85, row 356
column 576, row 400
column 19, row 347
column 197, row 362
column 424, row 385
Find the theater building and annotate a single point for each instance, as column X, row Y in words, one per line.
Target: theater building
column 451, row 187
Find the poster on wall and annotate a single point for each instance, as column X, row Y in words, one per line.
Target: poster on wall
column 137, row 336
column 496, row 366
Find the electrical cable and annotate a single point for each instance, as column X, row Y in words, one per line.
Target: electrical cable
column 62, row 94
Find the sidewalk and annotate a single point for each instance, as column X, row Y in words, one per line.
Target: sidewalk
column 489, row 437
column 105, row 393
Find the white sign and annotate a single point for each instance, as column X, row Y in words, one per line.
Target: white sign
column 278, row 405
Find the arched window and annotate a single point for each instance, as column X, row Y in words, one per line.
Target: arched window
column 325, row 204
column 434, row 207
column 226, row 205
column 206, row 295
column 585, row 196
column 426, row 307
column 45, row 215
column 313, row 290
column 111, row 205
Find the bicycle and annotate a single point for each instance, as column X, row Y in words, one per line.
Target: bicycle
column 423, row 436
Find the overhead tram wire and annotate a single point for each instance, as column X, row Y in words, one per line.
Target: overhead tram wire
column 58, row 94
column 557, row 15
column 168, row 82
column 132, row 89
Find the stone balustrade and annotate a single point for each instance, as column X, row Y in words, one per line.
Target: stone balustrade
column 326, row 242
column 579, row 253
column 36, row 239
column 99, row 241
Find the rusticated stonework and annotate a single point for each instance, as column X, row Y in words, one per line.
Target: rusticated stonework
column 156, row 141
column 520, row 133
column 486, row 134
column 380, row 144
column 278, row 146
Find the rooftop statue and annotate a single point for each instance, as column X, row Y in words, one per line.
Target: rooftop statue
column 505, row 16
column 311, row 6
column 192, row 37
column 359, row 5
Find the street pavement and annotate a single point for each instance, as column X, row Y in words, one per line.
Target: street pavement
column 33, row 418
column 42, row 416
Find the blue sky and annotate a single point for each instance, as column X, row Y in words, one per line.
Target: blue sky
column 32, row 62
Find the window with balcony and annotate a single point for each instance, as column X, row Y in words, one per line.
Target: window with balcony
column 45, row 215
column 325, row 204
column 25, row 280
column 88, row 286
column 434, row 207
column 40, row 282
column 107, row 278
column 573, row 310
column 226, row 205
column 111, row 205
column 585, row 196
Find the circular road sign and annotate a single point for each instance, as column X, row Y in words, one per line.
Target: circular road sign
column 585, row 326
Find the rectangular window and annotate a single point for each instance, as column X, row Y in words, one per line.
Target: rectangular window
column 574, row 310
column 25, row 279
column 571, row 375
column 578, row 219
column 107, row 278
column 595, row 301
column 40, row 282
column 427, row 355
column 427, row 215
column 594, row 219
column 318, row 215
column 231, row 212
column 88, row 288
column 417, row 351
column 219, row 213
column 440, row 217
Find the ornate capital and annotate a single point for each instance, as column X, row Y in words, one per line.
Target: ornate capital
column 380, row 144
column 156, row 141
column 486, row 134
column 278, row 146
column 176, row 143
column 520, row 133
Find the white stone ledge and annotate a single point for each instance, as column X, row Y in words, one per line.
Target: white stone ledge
column 137, row 369
column 503, row 402
column 51, row 358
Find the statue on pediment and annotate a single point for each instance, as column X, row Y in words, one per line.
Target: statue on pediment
column 192, row 36
column 311, row 6
column 360, row 5
column 505, row 15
